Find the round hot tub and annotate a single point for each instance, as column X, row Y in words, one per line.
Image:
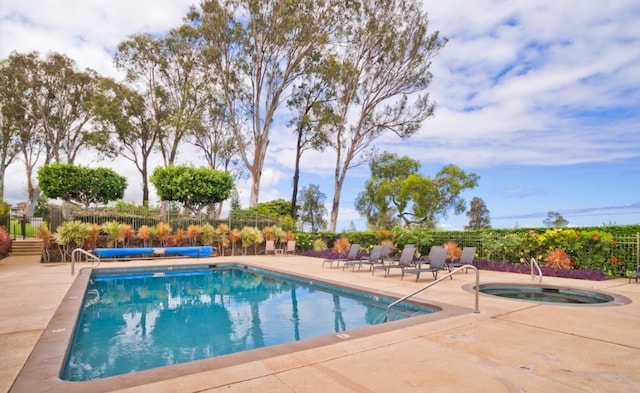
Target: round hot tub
column 547, row 293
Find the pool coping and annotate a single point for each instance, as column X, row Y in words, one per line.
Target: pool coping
column 45, row 363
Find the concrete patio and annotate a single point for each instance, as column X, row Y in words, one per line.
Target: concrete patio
column 510, row 346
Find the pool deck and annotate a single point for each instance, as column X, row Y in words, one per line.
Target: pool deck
column 509, row 346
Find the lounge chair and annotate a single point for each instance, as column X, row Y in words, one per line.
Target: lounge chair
column 635, row 274
column 351, row 256
column 291, row 248
column 385, row 255
column 466, row 258
column 374, row 257
column 270, row 247
column 405, row 261
column 436, row 260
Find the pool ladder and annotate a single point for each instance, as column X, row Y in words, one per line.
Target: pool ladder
column 85, row 253
column 535, row 263
column 477, row 288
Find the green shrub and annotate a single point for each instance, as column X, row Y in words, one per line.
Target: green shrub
column 319, row 245
column 5, row 242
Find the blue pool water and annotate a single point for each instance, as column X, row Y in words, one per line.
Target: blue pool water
column 134, row 319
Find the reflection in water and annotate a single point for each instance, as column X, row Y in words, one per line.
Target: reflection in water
column 132, row 323
column 339, row 324
column 294, row 314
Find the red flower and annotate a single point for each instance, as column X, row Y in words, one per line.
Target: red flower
column 573, row 263
column 614, row 260
column 596, row 236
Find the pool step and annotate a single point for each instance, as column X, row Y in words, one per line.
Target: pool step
column 26, row 247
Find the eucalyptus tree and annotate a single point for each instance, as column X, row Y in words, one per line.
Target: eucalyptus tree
column 256, row 50
column 64, row 107
column 24, row 78
column 11, row 116
column 313, row 117
column 384, row 51
column 125, row 127
column 168, row 72
column 216, row 143
column 397, row 189
column 214, row 139
column 49, row 109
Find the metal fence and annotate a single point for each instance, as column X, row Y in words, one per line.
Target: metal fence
column 25, row 227
column 627, row 248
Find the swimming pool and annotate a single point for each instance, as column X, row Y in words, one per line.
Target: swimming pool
column 139, row 319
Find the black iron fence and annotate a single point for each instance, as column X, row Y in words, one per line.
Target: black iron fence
column 627, row 248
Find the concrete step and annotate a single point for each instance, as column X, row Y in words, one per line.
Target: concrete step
column 26, row 247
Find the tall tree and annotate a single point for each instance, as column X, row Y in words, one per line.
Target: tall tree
column 256, row 50
column 126, row 127
column 168, row 72
column 50, row 106
column 63, row 107
column 478, row 214
column 555, row 219
column 313, row 114
column 384, row 55
column 26, row 74
column 11, row 117
column 312, row 209
column 216, row 142
column 397, row 188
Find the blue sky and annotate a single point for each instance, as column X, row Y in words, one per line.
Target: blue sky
column 541, row 99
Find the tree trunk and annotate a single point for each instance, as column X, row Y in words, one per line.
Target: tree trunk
column 335, row 206
column 256, row 168
column 296, row 177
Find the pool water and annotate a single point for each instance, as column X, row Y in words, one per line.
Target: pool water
column 138, row 320
column 546, row 294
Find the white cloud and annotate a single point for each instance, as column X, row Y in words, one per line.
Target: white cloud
column 543, row 82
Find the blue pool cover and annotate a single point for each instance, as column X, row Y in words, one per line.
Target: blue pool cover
column 195, row 251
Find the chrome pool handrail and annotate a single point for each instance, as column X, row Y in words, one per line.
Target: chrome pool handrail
column 534, row 262
column 86, row 253
column 477, row 287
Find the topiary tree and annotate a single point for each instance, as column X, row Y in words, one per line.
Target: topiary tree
column 195, row 188
column 80, row 185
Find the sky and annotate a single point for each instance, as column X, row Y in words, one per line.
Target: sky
column 540, row 99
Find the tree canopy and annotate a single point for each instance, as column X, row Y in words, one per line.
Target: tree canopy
column 398, row 193
column 81, row 185
column 194, row 187
column 312, row 209
column 555, row 219
column 478, row 214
